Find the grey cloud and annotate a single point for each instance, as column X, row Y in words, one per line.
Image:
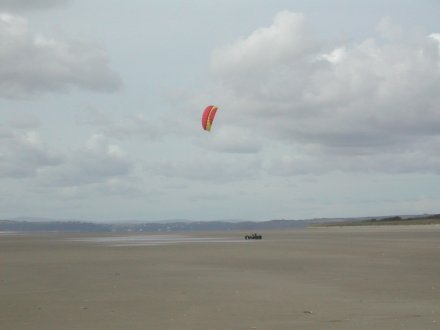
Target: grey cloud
column 24, row 121
column 393, row 162
column 121, row 187
column 97, row 162
column 387, row 29
column 22, row 155
column 133, row 126
column 31, row 64
column 207, row 170
column 232, row 140
column 122, row 128
column 369, row 98
column 27, row 5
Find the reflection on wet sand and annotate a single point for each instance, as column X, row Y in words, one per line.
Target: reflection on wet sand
column 144, row 240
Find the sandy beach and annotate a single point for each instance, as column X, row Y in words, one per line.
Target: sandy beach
column 385, row 277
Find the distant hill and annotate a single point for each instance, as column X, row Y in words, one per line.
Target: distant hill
column 78, row 226
column 46, row 225
column 53, row 226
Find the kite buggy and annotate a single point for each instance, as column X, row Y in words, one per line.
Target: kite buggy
column 253, row 236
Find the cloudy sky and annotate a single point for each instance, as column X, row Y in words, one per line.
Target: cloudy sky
column 327, row 109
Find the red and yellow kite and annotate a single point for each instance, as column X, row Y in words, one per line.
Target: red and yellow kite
column 208, row 117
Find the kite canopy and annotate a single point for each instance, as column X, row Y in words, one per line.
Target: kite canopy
column 208, row 117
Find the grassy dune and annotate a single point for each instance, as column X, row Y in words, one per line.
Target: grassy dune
column 391, row 221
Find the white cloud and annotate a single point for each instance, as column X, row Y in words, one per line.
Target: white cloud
column 285, row 39
column 367, row 105
column 31, row 64
column 435, row 36
column 281, row 50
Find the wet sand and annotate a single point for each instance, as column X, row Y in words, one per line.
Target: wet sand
column 320, row 278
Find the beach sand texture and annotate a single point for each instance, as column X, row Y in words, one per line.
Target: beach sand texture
column 317, row 278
